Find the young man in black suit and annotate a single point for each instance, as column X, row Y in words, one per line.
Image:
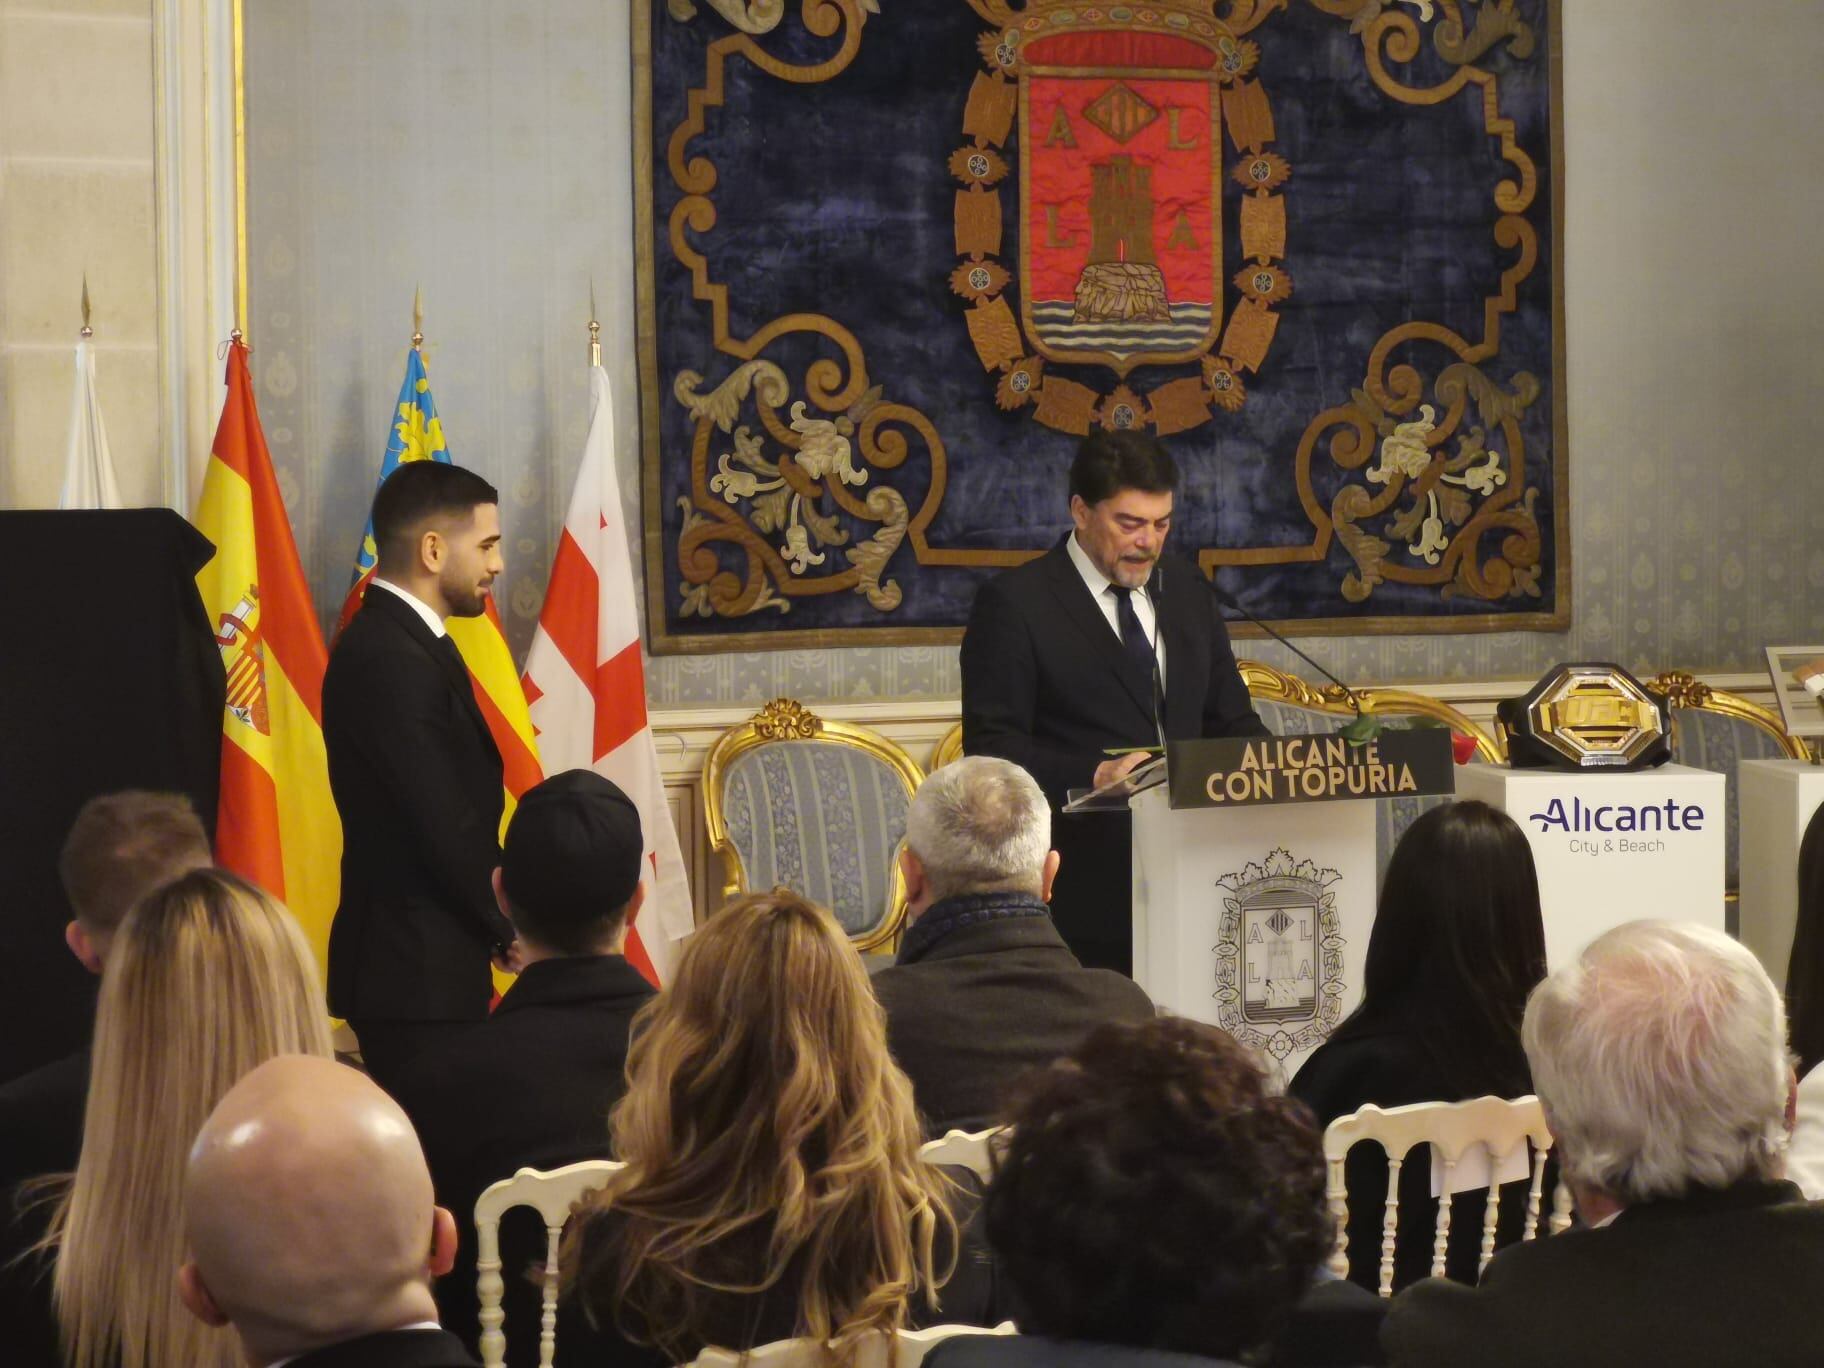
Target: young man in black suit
column 416, row 776
column 1104, row 643
column 984, row 989
column 310, row 1225
column 532, row 1086
column 121, row 847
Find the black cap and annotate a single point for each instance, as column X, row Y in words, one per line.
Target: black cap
column 573, row 849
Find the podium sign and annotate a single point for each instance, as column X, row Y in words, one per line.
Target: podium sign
column 1238, row 771
column 1612, row 846
column 1254, row 879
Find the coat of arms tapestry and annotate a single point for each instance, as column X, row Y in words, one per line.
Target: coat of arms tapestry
column 898, row 256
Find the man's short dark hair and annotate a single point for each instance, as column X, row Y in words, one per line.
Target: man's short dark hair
column 418, row 494
column 1109, row 462
column 1153, row 1194
column 571, row 861
column 125, row 845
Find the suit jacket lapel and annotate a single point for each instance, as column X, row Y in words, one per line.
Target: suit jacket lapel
column 1180, row 664
column 1081, row 608
column 450, row 663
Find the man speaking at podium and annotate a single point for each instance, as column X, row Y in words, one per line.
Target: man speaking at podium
column 1102, row 645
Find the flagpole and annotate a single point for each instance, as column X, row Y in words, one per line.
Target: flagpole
column 418, row 319
column 595, row 330
column 87, row 332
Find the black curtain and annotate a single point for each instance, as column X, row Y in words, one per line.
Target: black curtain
column 110, row 678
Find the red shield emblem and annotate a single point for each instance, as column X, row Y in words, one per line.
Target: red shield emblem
column 1120, row 185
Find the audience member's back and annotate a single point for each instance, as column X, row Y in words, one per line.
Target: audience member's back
column 1458, row 941
column 1153, row 1196
column 984, row 989
column 310, row 1223
column 773, row 1187
column 532, row 1086
column 121, row 847
column 1660, row 1056
column 207, row 978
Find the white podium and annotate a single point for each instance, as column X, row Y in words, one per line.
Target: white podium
column 1613, row 846
column 1776, row 798
column 1254, row 881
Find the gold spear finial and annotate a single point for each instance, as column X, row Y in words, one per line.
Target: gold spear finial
column 417, row 318
column 87, row 331
column 595, row 329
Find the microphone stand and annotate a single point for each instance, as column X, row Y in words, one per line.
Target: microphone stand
column 1357, row 733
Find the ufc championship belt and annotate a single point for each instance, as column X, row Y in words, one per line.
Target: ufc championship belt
column 1587, row 716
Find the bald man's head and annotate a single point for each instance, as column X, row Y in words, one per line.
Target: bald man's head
column 309, row 1211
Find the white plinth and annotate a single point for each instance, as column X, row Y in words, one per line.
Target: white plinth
column 1267, row 946
column 1608, row 847
column 1776, row 799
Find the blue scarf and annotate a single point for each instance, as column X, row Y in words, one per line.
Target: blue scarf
column 967, row 909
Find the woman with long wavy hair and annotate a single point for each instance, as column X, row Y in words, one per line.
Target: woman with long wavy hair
column 772, row 1186
column 207, row 978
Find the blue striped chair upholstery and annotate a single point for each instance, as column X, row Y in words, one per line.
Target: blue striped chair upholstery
column 817, row 806
column 1713, row 729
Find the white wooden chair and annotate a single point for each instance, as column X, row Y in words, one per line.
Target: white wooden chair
column 1451, row 1128
column 906, row 1349
column 973, row 1150
column 552, row 1194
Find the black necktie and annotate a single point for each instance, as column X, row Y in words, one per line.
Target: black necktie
column 1133, row 635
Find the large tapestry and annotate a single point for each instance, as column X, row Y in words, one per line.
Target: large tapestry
column 898, row 256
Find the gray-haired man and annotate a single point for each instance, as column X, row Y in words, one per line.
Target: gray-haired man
column 1660, row 1056
column 984, row 987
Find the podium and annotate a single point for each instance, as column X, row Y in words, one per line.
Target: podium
column 1254, row 879
column 1777, row 799
column 1613, row 846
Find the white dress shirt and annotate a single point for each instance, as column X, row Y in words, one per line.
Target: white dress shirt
column 423, row 609
column 1099, row 584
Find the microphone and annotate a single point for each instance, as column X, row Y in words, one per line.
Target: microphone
column 1359, row 732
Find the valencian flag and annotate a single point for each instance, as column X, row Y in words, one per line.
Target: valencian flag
column 587, row 684
column 277, row 824
column 417, row 435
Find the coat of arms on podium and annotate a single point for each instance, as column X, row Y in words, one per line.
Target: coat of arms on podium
column 1279, row 955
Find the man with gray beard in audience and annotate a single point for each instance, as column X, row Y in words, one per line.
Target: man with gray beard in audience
column 984, row 988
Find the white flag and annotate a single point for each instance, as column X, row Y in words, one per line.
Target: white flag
column 586, row 682
column 88, row 470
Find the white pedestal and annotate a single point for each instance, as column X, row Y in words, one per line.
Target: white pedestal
column 1777, row 798
column 1612, row 847
column 1254, row 919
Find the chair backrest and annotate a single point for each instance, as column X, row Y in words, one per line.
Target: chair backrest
column 973, row 1150
column 552, row 1194
column 949, row 747
column 1716, row 730
column 816, row 805
column 1499, row 1125
column 908, row 1349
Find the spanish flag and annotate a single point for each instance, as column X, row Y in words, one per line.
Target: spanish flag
column 417, row 435
column 277, row 824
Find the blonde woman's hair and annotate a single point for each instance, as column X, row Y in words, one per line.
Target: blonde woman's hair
column 207, row 978
column 770, row 1142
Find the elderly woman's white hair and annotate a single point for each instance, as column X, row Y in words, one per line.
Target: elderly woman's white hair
column 980, row 824
column 1660, row 1056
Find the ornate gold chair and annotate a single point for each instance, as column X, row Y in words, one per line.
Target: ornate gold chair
column 1716, row 730
column 949, row 747
column 1291, row 707
column 816, row 805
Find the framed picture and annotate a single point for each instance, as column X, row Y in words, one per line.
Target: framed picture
column 1798, row 682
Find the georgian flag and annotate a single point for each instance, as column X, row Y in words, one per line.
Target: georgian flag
column 586, row 683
